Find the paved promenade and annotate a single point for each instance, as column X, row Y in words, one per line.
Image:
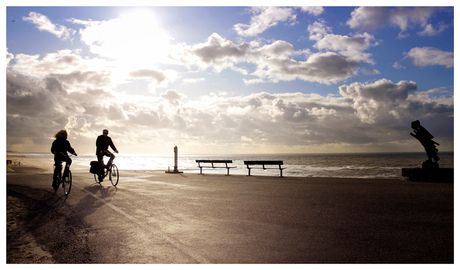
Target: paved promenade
column 154, row 217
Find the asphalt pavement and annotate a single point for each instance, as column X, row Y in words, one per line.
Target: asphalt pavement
column 160, row 218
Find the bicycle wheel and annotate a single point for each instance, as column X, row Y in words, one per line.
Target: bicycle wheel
column 67, row 183
column 114, row 175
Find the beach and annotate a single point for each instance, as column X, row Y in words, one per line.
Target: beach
column 213, row 218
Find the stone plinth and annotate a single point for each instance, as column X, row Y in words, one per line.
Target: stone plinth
column 430, row 165
column 438, row 175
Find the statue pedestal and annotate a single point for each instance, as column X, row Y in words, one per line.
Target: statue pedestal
column 430, row 172
column 430, row 165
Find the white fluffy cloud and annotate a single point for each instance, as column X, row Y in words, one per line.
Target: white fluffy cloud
column 277, row 61
column 266, row 17
column 372, row 101
column 371, row 18
column 44, row 24
column 427, row 56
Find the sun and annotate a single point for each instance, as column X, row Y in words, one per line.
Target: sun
column 133, row 40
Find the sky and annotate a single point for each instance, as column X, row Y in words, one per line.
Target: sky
column 229, row 79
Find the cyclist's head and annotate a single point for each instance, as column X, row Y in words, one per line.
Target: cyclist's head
column 61, row 134
column 105, row 132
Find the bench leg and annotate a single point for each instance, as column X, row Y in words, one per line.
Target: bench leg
column 201, row 170
column 281, row 173
column 249, row 172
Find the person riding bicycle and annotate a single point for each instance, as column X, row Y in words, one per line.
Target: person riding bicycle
column 59, row 148
column 102, row 145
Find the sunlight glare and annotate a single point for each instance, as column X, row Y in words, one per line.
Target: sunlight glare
column 134, row 40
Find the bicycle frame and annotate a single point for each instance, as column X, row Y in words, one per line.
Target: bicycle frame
column 65, row 179
column 111, row 170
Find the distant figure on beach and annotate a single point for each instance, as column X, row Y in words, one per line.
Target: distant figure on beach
column 425, row 139
column 102, row 145
column 59, row 148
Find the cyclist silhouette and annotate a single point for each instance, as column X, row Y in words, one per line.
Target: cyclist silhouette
column 102, row 145
column 59, row 148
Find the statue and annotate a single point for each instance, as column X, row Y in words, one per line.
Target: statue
column 426, row 139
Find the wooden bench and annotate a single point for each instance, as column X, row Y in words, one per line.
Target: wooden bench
column 263, row 163
column 226, row 162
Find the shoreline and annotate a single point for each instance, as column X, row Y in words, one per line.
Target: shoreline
column 45, row 165
column 367, row 166
column 33, row 168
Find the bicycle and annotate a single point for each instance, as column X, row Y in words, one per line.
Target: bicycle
column 65, row 180
column 112, row 171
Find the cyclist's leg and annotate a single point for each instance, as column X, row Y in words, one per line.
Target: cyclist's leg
column 57, row 171
column 57, row 166
column 68, row 162
column 100, row 166
column 112, row 157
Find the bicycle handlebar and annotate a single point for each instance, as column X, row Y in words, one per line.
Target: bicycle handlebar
column 72, row 154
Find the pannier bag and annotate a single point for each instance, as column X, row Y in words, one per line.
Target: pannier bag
column 93, row 168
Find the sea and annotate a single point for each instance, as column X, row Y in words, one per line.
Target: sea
column 356, row 165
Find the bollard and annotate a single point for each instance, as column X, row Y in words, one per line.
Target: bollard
column 175, row 158
column 175, row 162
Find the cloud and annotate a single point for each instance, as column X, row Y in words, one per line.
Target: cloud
column 264, row 18
column 372, row 18
column 396, row 65
column 217, row 48
column 344, row 43
column 9, row 57
column 149, row 73
column 193, row 80
column 60, row 62
column 362, row 113
column 430, row 56
column 276, row 61
column 371, row 101
column 312, row 10
column 172, row 97
column 324, row 68
column 431, row 31
column 43, row 23
column 350, row 46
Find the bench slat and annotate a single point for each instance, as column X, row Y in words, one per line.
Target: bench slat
column 212, row 164
column 263, row 162
column 214, row 161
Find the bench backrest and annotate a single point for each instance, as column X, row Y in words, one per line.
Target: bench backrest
column 213, row 161
column 263, row 162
